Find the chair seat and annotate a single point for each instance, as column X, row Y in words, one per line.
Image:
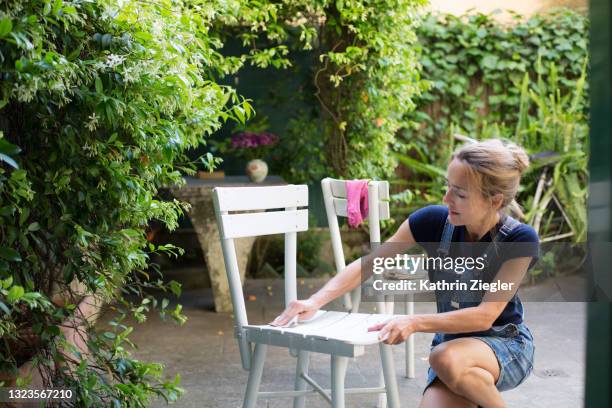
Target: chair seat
column 339, row 333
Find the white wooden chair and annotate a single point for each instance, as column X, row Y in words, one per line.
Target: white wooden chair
column 342, row 335
column 334, row 195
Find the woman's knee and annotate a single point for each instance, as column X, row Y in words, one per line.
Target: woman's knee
column 447, row 362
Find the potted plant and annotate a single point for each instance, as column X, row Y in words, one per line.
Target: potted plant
column 254, row 146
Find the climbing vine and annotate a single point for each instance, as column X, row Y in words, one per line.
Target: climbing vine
column 476, row 65
column 364, row 78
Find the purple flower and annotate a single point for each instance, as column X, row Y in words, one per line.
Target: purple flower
column 252, row 145
column 253, row 140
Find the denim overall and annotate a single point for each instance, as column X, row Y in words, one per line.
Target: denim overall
column 512, row 343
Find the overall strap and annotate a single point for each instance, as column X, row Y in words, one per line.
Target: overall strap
column 505, row 230
column 447, row 236
column 507, row 227
column 509, row 224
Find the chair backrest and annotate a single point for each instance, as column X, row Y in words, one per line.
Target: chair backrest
column 334, row 195
column 241, row 212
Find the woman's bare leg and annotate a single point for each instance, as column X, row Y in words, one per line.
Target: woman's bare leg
column 437, row 395
column 469, row 368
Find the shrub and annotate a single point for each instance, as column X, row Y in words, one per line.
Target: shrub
column 100, row 103
column 478, row 68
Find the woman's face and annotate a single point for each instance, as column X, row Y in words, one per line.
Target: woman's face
column 466, row 204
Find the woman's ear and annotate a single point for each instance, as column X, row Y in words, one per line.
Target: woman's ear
column 497, row 201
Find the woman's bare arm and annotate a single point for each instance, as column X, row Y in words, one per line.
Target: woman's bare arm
column 347, row 279
column 467, row 320
column 351, row 277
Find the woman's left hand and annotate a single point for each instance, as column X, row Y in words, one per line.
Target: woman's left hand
column 396, row 330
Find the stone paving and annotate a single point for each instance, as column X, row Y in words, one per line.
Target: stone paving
column 205, row 354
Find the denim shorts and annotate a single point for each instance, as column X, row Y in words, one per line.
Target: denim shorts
column 513, row 348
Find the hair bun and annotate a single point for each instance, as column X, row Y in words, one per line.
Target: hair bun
column 521, row 159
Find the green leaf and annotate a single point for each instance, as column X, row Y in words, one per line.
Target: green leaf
column 33, row 227
column 6, row 283
column 125, row 388
column 6, row 26
column 10, row 254
column 239, row 111
column 143, row 35
column 175, row 288
column 57, row 6
column 421, row 167
column 99, row 87
column 15, row 293
column 106, row 40
column 8, row 148
column 489, row 61
column 4, row 308
column 109, row 335
column 8, row 160
column 25, row 214
column 456, row 89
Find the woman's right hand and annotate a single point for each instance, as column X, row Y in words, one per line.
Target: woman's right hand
column 303, row 309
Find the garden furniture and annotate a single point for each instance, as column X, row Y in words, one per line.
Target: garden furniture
column 341, row 335
column 334, row 195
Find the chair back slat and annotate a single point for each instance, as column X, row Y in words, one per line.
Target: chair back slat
column 340, row 207
column 338, row 188
column 263, row 223
column 374, row 214
column 261, row 198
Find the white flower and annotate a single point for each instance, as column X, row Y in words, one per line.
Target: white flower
column 113, row 60
column 110, row 13
column 128, row 75
column 157, row 28
column 93, row 122
column 99, row 65
column 25, row 93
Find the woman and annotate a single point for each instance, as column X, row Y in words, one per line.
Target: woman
column 480, row 347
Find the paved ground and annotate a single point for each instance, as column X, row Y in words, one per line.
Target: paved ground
column 205, row 354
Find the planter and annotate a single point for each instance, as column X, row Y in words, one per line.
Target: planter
column 257, row 170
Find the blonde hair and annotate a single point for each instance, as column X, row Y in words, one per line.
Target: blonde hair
column 496, row 166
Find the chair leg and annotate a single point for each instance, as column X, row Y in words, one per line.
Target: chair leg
column 380, row 304
column 300, row 383
column 389, row 304
column 257, row 363
column 410, row 340
column 338, row 373
column 382, row 398
column 386, row 356
column 355, row 299
column 346, row 301
column 389, row 308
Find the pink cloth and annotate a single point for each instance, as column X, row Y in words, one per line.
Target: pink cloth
column 356, row 201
